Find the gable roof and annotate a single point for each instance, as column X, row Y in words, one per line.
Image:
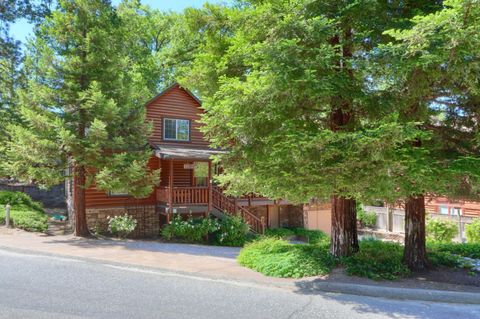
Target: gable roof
column 175, row 84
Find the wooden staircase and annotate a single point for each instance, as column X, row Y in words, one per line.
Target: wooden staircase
column 230, row 207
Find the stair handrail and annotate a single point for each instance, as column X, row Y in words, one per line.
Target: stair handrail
column 256, row 224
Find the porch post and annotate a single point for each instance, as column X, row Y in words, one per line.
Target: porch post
column 210, row 186
column 170, row 189
column 268, row 215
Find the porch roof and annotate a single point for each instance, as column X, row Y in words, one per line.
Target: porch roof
column 179, row 152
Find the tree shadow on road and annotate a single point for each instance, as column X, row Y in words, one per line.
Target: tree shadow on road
column 393, row 308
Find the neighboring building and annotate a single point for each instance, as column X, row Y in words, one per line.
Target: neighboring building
column 445, row 206
column 182, row 153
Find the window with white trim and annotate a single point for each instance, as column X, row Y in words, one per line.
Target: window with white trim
column 444, row 210
column 118, row 193
column 176, row 130
column 456, row 211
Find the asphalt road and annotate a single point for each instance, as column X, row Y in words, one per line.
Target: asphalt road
column 38, row 286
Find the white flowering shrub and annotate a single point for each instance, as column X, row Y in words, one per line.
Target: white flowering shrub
column 121, row 226
column 233, row 231
column 191, row 229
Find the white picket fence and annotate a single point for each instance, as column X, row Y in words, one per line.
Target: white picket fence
column 398, row 220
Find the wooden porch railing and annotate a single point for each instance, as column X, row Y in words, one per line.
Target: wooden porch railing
column 184, row 195
column 230, row 207
column 199, row 195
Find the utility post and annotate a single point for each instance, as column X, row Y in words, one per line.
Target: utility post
column 7, row 215
column 390, row 218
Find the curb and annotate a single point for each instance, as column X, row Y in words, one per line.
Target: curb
column 445, row 296
column 312, row 286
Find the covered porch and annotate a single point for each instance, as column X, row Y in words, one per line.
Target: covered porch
column 186, row 178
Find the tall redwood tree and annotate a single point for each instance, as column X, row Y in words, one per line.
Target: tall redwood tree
column 289, row 90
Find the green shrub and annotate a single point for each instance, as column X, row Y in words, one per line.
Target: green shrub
column 473, row 232
column 232, row 232
column 24, row 217
column 279, row 232
column 191, row 229
column 442, row 231
column 314, row 237
column 121, row 225
column 469, row 250
column 376, row 260
column 19, row 199
column 277, row 258
column 366, row 219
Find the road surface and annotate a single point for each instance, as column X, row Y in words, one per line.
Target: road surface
column 39, row 286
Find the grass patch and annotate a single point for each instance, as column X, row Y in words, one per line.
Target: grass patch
column 277, row 258
column 25, row 213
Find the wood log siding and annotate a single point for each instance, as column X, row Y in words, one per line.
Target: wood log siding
column 181, row 177
column 175, row 103
column 99, row 198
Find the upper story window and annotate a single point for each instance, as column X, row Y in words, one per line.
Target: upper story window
column 118, row 193
column 176, row 130
column 444, row 210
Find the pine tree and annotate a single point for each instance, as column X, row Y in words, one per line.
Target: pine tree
column 11, row 59
column 83, row 107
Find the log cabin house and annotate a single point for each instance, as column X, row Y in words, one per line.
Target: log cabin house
column 182, row 153
column 448, row 207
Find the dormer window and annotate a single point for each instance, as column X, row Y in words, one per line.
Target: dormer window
column 176, row 130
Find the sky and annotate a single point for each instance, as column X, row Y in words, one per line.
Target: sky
column 21, row 29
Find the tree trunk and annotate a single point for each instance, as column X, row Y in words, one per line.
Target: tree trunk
column 344, row 227
column 415, row 253
column 81, row 228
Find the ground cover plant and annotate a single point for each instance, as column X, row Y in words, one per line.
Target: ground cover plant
column 470, row 250
column 273, row 255
column 276, row 257
column 377, row 260
column 25, row 213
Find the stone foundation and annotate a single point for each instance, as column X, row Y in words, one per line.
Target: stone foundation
column 148, row 220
